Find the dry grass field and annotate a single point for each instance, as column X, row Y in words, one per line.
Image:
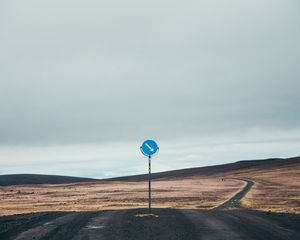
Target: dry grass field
column 276, row 188
column 192, row 192
column 276, row 185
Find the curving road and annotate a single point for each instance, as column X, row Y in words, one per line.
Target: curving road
column 234, row 201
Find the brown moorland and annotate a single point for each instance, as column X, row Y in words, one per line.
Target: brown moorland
column 276, row 188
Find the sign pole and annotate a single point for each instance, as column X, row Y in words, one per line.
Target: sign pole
column 149, row 180
column 149, row 148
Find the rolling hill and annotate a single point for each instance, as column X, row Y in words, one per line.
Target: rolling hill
column 230, row 168
column 23, row 179
column 223, row 169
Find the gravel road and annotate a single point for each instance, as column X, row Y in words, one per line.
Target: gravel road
column 171, row 224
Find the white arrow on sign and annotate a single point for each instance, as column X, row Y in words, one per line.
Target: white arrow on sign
column 151, row 149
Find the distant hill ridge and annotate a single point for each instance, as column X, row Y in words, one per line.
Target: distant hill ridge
column 22, row 179
column 244, row 165
column 267, row 164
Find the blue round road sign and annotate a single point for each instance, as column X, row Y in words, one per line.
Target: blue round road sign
column 149, row 148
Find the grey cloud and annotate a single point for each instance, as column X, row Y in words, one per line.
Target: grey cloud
column 86, row 71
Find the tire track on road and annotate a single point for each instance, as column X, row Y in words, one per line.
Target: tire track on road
column 97, row 227
column 12, row 226
column 59, row 227
column 69, row 229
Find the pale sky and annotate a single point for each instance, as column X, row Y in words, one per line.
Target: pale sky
column 83, row 83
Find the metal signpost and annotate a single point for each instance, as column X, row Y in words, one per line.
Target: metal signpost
column 149, row 148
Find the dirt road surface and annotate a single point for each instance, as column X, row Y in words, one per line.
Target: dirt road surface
column 171, row 224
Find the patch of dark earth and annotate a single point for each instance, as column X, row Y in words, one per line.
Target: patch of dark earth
column 170, row 224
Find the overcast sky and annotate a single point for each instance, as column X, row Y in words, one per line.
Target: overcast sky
column 83, row 83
